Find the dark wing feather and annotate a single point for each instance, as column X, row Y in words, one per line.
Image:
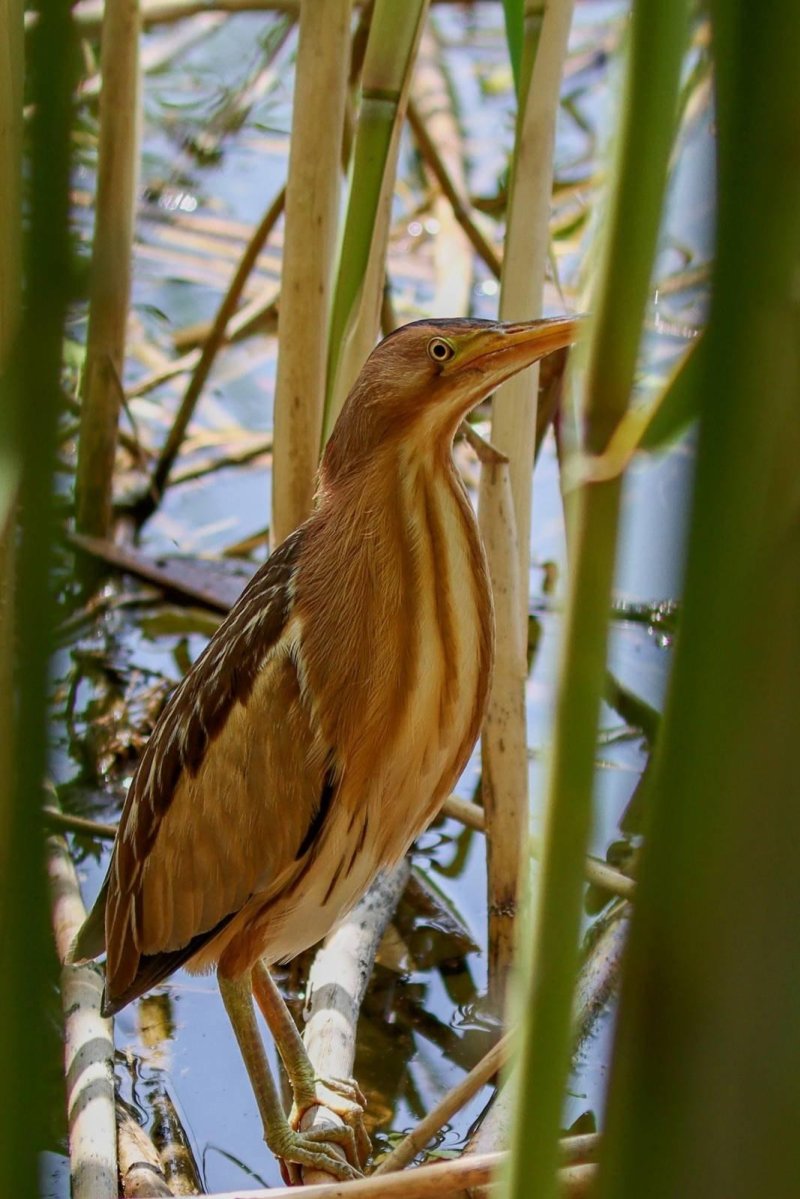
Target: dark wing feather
column 222, row 676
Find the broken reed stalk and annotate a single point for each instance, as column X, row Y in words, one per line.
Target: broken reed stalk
column 337, row 983
column 430, row 108
column 504, row 754
column 394, row 35
column 657, row 39
column 88, row 1042
column 312, row 204
column 117, row 176
column 211, row 346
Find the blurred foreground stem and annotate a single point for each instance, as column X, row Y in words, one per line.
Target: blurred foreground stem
column 657, row 39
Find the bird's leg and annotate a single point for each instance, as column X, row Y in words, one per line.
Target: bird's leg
column 339, row 1095
column 313, row 1148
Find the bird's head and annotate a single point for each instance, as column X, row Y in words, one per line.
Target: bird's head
column 421, row 380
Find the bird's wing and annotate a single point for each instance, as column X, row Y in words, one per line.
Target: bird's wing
column 230, row 782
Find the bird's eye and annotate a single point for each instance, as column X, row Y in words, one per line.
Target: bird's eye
column 440, row 350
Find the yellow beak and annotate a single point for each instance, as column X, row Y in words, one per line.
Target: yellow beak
column 501, row 352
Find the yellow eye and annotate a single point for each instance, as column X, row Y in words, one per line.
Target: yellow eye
column 440, row 350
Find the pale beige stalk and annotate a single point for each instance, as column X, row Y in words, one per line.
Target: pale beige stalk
column 525, row 258
column 503, row 741
column 514, row 434
column 312, row 202
column 117, row 176
column 337, row 983
column 88, row 1043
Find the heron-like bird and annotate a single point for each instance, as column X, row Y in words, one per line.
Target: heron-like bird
column 328, row 718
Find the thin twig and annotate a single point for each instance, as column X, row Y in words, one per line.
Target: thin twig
column 459, row 205
column 226, row 310
column 446, row 1108
column 596, row 872
column 64, row 822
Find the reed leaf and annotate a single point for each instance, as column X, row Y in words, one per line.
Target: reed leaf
column 393, row 39
column 657, row 40
column 513, row 17
column 312, row 208
column 30, row 403
column 706, row 1065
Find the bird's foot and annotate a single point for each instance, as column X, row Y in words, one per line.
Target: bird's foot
column 315, row 1150
column 344, row 1098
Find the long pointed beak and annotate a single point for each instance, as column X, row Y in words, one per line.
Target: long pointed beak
column 509, row 348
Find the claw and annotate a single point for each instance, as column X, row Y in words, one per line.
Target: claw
column 344, row 1097
column 314, row 1150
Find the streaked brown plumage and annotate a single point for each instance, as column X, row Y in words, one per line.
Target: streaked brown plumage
column 338, row 702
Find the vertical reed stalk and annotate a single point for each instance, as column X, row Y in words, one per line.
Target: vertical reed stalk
column 31, row 397
column 514, row 434
column 393, row 38
column 503, row 742
column 312, row 203
column 11, row 69
column 706, row 1067
column 656, row 47
column 527, row 246
column 117, row 174
column 11, row 78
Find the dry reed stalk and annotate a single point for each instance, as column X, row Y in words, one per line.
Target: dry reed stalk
column 430, row 110
column 88, row 1043
column 503, row 740
column 525, row 256
column 337, row 983
column 140, row 1169
column 446, row 1108
column 596, row 872
column 505, row 764
column 395, row 31
column 312, row 199
column 89, row 13
column 216, row 337
column 117, row 174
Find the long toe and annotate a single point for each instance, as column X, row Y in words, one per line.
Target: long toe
column 317, row 1150
column 344, row 1098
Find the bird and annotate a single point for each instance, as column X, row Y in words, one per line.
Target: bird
column 326, row 721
